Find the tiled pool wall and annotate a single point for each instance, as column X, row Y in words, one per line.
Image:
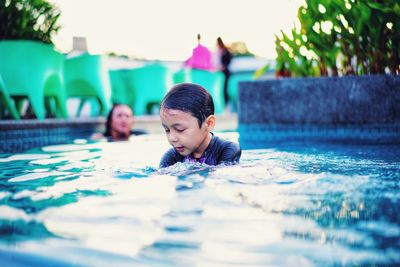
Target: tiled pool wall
column 21, row 135
column 359, row 109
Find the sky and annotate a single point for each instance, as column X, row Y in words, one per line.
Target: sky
column 167, row 29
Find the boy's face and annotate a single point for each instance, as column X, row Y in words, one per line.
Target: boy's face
column 183, row 131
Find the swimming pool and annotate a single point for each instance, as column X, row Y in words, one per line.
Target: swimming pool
column 292, row 204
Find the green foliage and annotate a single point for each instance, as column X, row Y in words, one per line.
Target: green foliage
column 342, row 37
column 28, row 19
column 261, row 71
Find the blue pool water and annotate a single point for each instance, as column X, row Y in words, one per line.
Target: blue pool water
column 107, row 204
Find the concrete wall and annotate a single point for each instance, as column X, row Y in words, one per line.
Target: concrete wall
column 354, row 104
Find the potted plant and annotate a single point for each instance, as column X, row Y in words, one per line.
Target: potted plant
column 342, row 38
column 30, row 67
column 338, row 76
column 35, row 20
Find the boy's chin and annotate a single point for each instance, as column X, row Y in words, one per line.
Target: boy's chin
column 183, row 153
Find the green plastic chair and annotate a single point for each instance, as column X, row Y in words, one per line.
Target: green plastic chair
column 181, row 76
column 213, row 82
column 233, row 86
column 86, row 77
column 120, row 90
column 7, row 102
column 149, row 83
column 33, row 70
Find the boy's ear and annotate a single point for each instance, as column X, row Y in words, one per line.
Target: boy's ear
column 210, row 122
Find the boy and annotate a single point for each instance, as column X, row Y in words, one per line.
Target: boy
column 187, row 115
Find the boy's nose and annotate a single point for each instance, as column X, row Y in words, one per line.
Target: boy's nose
column 172, row 137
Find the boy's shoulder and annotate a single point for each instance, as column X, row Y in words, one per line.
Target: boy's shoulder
column 219, row 141
column 225, row 150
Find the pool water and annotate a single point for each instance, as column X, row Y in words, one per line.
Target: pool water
column 293, row 204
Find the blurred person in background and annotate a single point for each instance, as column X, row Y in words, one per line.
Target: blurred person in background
column 224, row 58
column 119, row 124
column 201, row 57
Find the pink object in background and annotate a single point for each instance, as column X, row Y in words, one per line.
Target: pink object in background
column 201, row 59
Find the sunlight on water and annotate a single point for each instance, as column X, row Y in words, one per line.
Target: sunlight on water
column 36, row 175
column 102, row 204
column 24, row 157
column 127, row 217
column 12, row 214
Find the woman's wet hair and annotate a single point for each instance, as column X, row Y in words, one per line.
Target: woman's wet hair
column 220, row 43
column 109, row 119
column 191, row 98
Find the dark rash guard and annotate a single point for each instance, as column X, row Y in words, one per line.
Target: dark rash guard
column 217, row 152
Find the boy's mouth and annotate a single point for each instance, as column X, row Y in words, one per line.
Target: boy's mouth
column 180, row 149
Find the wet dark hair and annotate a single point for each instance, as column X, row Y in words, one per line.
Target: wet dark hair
column 109, row 119
column 191, row 98
column 221, row 43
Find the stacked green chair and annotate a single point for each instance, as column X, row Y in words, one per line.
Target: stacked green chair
column 120, row 90
column 33, row 70
column 180, row 76
column 7, row 102
column 86, row 77
column 233, row 86
column 150, row 83
column 213, row 82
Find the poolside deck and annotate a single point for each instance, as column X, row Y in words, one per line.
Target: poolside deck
column 21, row 135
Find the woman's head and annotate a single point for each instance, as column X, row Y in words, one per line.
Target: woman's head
column 190, row 98
column 119, row 122
column 220, row 43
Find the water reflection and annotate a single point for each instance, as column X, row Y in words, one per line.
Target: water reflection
column 105, row 203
